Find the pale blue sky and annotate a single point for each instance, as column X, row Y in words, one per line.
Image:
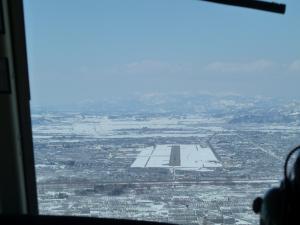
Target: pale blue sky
column 94, row 49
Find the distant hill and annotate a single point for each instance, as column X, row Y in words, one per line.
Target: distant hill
column 238, row 109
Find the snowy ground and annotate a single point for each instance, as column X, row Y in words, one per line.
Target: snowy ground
column 192, row 157
column 104, row 127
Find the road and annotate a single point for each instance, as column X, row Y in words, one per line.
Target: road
column 175, row 156
column 201, row 182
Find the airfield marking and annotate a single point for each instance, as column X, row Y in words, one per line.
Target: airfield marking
column 175, row 156
column 185, row 157
column 149, row 157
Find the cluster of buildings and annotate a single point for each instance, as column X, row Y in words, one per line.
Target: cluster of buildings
column 91, row 170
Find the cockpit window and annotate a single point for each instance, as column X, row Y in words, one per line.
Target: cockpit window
column 172, row 111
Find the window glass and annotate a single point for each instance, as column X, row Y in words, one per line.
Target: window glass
column 172, row 111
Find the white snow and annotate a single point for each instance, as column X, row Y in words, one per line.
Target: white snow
column 195, row 156
column 104, row 127
column 192, row 157
column 140, row 162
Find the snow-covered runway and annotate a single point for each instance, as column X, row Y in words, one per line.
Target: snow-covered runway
column 187, row 157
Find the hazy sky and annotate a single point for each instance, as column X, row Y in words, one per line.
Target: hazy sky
column 94, row 49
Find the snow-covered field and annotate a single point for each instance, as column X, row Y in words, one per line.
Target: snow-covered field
column 192, row 157
column 104, row 127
